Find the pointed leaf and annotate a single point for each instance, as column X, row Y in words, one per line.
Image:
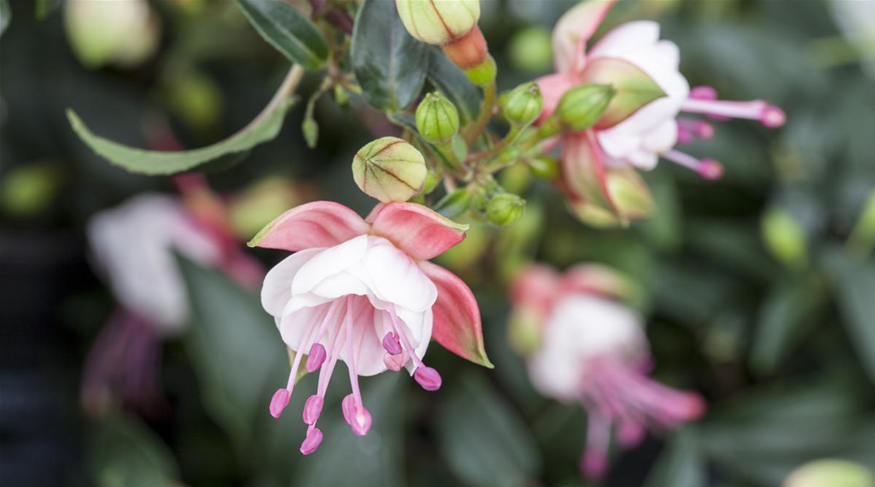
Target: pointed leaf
column 457, row 325
column 681, row 464
column 388, row 63
column 124, row 451
column 419, row 231
column 634, row 88
column 263, row 128
column 288, row 30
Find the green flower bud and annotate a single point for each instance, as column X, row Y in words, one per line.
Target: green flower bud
column 437, row 119
column 483, row 74
column 831, row 473
column 544, row 167
column 389, row 169
column 531, row 50
column 120, row 32
column 784, row 238
column 523, row 104
column 582, row 106
column 505, row 209
column 438, row 21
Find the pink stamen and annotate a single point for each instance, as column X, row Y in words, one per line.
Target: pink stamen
column 428, row 378
column 769, row 115
column 360, row 419
column 401, row 333
column 685, row 136
column 279, row 402
column 396, row 362
column 391, row 343
column 312, row 442
column 316, row 357
column 598, row 436
column 706, row 168
column 703, row 93
column 630, row 434
column 348, row 408
column 697, row 128
column 313, row 408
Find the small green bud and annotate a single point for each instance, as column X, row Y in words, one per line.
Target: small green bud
column 437, row 119
column 484, row 73
column 523, row 104
column 784, row 238
column 831, row 473
column 544, row 167
column 389, row 169
column 310, row 130
column 432, row 179
column 531, row 50
column 505, row 209
column 341, row 96
column 582, row 106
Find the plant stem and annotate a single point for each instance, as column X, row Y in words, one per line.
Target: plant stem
column 476, row 128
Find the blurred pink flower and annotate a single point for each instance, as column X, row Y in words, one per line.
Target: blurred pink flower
column 632, row 134
column 592, row 350
column 363, row 291
column 133, row 247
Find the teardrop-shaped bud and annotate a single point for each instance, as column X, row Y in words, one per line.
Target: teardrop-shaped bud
column 438, row 21
column 523, row 104
column 389, row 169
column 437, row 119
column 582, row 106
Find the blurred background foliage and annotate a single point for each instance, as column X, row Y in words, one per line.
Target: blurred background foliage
column 761, row 286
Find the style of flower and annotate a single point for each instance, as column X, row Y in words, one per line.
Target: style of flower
column 133, row 247
column 641, row 124
column 362, row 291
column 585, row 346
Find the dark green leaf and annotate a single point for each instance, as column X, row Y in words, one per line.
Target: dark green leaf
column 5, row 15
column 263, row 128
column 126, row 452
column 234, row 347
column 483, row 440
column 452, row 83
column 45, row 7
column 681, row 465
column 372, row 460
column 388, row 63
column 288, row 30
column 855, row 283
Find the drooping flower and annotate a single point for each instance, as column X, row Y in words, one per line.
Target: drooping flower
column 363, row 292
column 585, row 346
column 133, row 247
column 641, row 124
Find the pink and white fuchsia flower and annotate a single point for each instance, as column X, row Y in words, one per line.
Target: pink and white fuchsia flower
column 641, row 124
column 587, row 347
column 362, row 291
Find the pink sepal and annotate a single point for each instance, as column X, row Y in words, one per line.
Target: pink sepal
column 312, row 225
column 420, row 232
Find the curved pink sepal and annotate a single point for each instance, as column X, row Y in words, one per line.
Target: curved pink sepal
column 415, row 229
column 457, row 325
column 316, row 224
column 584, row 170
column 537, row 285
column 574, row 29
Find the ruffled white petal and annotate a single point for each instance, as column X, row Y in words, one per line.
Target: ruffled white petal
column 277, row 288
column 329, row 262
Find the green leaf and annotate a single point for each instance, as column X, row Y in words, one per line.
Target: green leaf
column 235, row 349
column 124, row 451
column 681, row 464
column 388, row 63
column 372, row 460
column 45, row 7
column 288, row 30
column 787, row 314
column 263, row 128
column 634, row 88
column 483, row 440
column 855, row 286
column 5, row 15
column 452, row 83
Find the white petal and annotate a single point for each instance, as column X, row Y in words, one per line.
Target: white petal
column 277, row 288
column 296, row 326
column 397, row 278
column 626, row 37
column 662, row 138
column 330, row 261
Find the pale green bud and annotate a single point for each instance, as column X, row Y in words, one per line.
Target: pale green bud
column 831, row 473
column 120, row 32
column 438, row 21
column 437, row 119
column 784, row 238
column 523, row 104
column 505, row 209
column 582, row 106
column 389, row 169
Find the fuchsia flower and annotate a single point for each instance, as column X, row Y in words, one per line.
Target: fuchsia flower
column 589, row 348
column 641, row 124
column 363, row 291
column 133, row 246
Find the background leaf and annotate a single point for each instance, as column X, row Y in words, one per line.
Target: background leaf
column 124, row 451
column 288, row 30
column 388, row 63
column 452, row 82
column 483, row 440
column 5, row 15
column 681, row 464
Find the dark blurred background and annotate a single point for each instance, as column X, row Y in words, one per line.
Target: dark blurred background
column 761, row 286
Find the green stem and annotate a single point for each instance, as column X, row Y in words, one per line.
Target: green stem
column 476, row 128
